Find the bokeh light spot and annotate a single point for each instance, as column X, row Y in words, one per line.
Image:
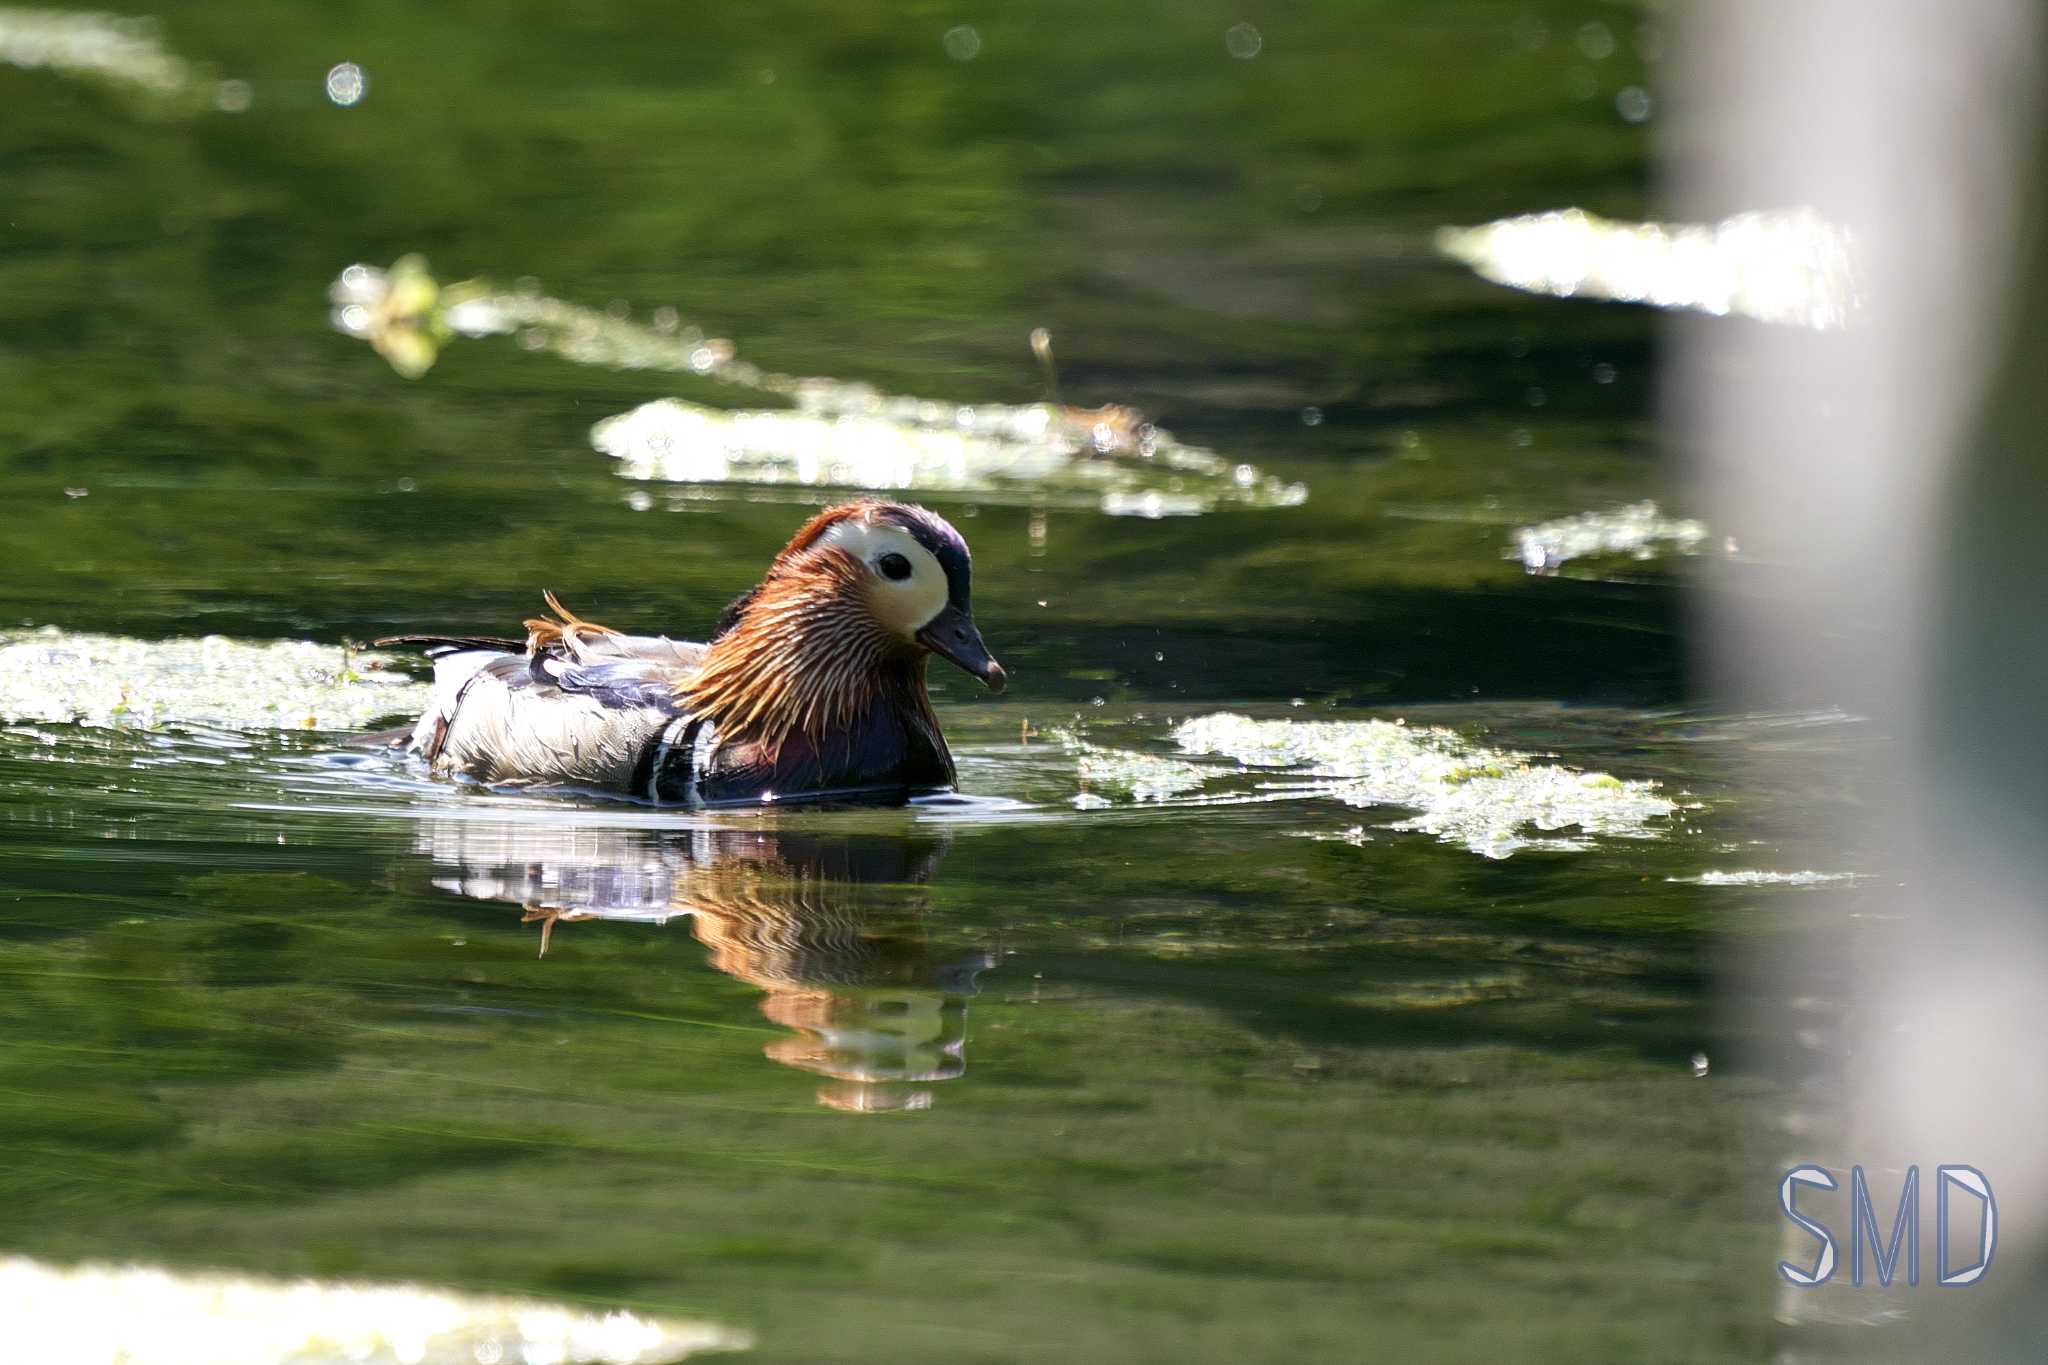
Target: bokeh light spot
column 962, row 43
column 346, row 84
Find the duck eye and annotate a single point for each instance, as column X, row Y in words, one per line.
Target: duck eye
column 894, row 566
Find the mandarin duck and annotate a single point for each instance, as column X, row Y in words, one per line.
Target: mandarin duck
column 811, row 687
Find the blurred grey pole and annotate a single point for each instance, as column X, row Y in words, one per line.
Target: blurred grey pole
column 1889, row 488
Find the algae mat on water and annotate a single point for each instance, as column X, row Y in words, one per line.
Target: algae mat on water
column 101, row 680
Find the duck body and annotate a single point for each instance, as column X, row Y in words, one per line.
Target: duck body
column 811, row 689
column 606, row 717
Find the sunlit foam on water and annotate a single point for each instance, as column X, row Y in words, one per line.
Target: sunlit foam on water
column 125, row 54
column 1494, row 802
column 1639, row 531
column 1791, row 267
column 1016, row 453
column 137, row 1315
column 834, row 434
column 1751, row 878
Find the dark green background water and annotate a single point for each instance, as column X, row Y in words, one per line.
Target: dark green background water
column 1228, row 1094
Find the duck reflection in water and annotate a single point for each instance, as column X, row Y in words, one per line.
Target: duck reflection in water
column 825, row 924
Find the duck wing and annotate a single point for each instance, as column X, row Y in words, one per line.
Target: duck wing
column 576, row 704
column 619, row 670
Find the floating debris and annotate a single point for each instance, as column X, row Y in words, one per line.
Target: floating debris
column 834, row 434
column 1638, row 531
column 409, row 317
column 109, row 680
column 125, row 54
column 1485, row 800
column 1791, row 267
column 134, row 1315
column 1808, row 878
column 401, row 312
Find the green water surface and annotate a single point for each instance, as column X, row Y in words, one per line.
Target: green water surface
column 1140, row 1083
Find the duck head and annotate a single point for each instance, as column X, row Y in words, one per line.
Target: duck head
column 913, row 578
column 849, row 611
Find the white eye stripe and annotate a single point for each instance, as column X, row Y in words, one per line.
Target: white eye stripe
column 907, row 604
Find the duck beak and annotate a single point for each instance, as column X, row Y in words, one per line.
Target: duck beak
column 952, row 635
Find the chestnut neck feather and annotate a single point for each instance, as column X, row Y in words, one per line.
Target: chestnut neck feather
column 807, row 659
